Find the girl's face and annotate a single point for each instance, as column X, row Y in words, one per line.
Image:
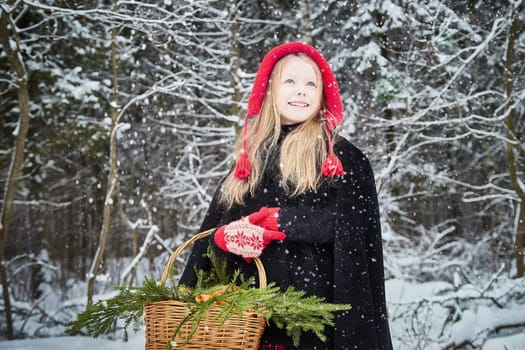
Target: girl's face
column 298, row 93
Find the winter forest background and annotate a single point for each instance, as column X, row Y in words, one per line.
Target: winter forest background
column 118, row 119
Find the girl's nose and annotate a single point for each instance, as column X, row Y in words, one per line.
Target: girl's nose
column 301, row 93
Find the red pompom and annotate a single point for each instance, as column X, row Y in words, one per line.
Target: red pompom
column 243, row 166
column 332, row 166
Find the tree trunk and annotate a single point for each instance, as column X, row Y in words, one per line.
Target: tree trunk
column 306, row 24
column 513, row 144
column 112, row 185
column 235, row 66
column 15, row 60
column 134, row 238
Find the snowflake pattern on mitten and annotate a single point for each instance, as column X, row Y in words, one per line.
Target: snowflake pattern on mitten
column 244, row 239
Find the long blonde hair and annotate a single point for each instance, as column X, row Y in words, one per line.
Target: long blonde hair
column 301, row 151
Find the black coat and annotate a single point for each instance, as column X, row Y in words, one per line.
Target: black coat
column 333, row 249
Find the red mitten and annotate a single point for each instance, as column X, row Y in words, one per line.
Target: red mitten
column 267, row 218
column 243, row 237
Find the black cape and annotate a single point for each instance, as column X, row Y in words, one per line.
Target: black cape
column 333, row 249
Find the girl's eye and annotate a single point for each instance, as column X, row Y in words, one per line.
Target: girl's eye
column 289, row 81
column 311, row 84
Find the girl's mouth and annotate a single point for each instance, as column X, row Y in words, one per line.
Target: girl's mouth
column 298, row 104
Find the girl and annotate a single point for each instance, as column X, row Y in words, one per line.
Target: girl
column 304, row 200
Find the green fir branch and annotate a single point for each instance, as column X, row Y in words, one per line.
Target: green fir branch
column 290, row 310
column 218, row 273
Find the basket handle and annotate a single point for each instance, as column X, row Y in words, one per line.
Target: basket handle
column 189, row 242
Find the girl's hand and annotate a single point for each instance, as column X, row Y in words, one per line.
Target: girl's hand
column 267, row 218
column 246, row 238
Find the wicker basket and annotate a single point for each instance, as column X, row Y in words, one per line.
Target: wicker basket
column 240, row 332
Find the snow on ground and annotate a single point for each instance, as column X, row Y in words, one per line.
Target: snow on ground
column 476, row 315
column 512, row 342
column 135, row 342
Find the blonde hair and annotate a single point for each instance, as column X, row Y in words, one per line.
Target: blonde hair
column 301, row 152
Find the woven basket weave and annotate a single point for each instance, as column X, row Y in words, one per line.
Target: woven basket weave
column 239, row 332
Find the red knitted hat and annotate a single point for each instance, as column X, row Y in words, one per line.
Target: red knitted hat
column 333, row 115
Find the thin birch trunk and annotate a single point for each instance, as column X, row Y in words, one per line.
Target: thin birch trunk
column 113, row 181
column 15, row 61
column 513, row 145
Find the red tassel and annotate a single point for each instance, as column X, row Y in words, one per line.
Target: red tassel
column 332, row 166
column 243, row 166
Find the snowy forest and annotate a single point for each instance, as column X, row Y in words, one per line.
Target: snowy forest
column 118, row 119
